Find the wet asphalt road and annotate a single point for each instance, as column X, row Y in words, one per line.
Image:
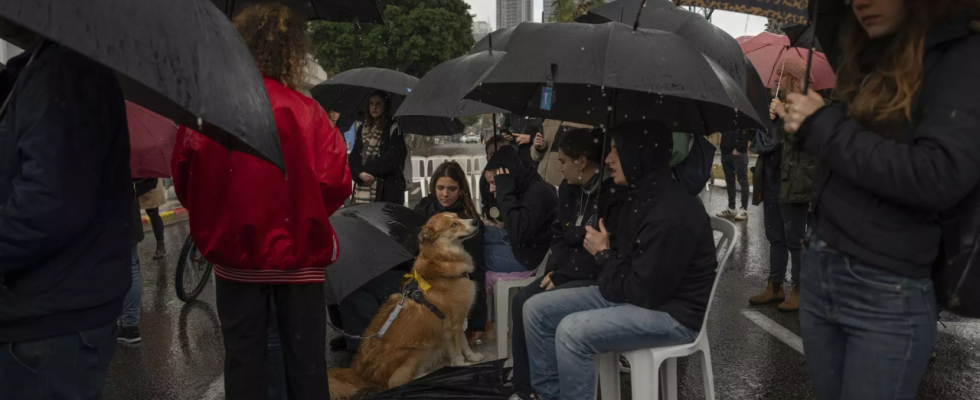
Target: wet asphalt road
column 181, row 354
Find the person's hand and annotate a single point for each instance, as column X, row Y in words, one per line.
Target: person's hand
column 501, row 171
column 508, row 137
column 776, row 109
column 366, row 177
column 596, row 241
column 546, row 283
column 735, row 152
column 800, row 107
column 539, row 142
column 523, row 139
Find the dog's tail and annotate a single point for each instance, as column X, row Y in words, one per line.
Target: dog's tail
column 344, row 383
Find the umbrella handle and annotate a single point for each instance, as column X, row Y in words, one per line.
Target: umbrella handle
column 636, row 24
column 780, row 82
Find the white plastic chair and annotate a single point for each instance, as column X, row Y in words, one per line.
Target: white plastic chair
column 418, row 174
column 434, row 162
column 645, row 363
column 503, row 295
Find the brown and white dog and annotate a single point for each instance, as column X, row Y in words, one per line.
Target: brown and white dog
column 418, row 340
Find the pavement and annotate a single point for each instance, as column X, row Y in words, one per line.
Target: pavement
column 756, row 351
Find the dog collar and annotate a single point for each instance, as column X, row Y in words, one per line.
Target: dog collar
column 414, row 291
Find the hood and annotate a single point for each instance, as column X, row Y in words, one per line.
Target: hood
column 507, row 157
column 644, row 148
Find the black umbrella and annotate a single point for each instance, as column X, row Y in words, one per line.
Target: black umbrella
column 440, row 93
column 780, row 10
column 707, row 38
column 498, row 38
column 487, row 381
column 801, row 36
column 181, row 59
column 757, row 92
column 373, row 239
column 357, row 11
column 609, row 73
column 831, row 14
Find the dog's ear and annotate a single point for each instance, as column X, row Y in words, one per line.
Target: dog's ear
column 427, row 235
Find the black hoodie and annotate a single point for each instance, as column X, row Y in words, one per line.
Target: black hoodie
column 570, row 261
column 665, row 259
column 528, row 206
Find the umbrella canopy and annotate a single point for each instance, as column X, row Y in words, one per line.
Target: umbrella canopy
column 780, row 10
column 486, row 381
column 348, row 92
column 499, row 38
column 608, row 73
column 831, row 16
column 357, row 11
column 769, row 51
column 373, row 238
column 181, row 59
column 801, row 36
column 440, row 92
column 151, row 142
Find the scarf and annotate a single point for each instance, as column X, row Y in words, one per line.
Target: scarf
column 371, row 137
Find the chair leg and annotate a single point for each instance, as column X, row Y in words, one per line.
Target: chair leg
column 501, row 307
column 670, row 379
column 644, row 376
column 609, row 384
column 709, row 380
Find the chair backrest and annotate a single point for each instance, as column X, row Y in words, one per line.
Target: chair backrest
column 729, row 236
column 478, row 162
column 418, row 167
column 433, row 163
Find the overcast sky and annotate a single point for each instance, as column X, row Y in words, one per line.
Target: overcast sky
column 734, row 23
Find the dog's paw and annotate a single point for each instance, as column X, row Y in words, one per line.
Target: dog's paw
column 460, row 362
column 475, row 357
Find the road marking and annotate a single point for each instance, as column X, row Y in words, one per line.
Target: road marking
column 775, row 329
column 216, row 390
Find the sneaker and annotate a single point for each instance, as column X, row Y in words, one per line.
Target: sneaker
column 727, row 213
column 742, row 215
column 773, row 293
column 129, row 334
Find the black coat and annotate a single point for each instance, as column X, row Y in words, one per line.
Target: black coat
column 140, row 187
column 879, row 200
column 528, row 207
column 387, row 167
column 665, row 259
column 474, row 246
column 736, row 140
column 570, row 261
column 66, row 196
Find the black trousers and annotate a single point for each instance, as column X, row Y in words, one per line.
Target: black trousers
column 736, row 167
column 243, row 309
column 522, row 364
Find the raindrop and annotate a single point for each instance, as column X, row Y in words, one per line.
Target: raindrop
column 646, row 131
column 595, row 140
column 287, row 219
column 583, row 49
column 575, row 161
column 200, row 123
column 609, row 108
column 597, row 170
column 612, row 190
column 953, row 115
column 656, row 145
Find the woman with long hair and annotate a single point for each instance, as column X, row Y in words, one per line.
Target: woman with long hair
column 788, row 193
column 449, row 191
column 269, row 235
column 901, row 150
column 584, row 198
column 378, row 157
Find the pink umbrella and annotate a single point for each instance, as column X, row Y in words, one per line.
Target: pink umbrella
column 151, row 142
column 768, row 52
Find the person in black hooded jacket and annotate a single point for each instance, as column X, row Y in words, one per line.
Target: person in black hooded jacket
column 449, row 191
column 653, row 288
column 583, row 199
column 528, row 206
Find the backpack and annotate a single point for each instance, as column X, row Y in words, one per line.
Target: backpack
column 695, row 170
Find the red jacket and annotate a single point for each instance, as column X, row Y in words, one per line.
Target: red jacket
column 246, row 217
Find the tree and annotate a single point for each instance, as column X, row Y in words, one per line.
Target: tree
column 420, row 34
column 470, row 120
column 568, row 10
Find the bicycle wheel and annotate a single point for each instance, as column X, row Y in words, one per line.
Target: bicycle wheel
column 193, row 272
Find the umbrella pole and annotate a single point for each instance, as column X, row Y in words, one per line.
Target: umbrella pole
column 636, row 24
column 809, row 59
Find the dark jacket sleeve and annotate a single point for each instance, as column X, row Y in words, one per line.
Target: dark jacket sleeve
column 662, row 252
column 526, row 217
column 54, row 196
column 393, row 159
column 354, row 158
column 934, row 171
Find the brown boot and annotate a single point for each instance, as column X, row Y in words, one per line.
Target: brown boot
column 772, row 294
column 792, row 303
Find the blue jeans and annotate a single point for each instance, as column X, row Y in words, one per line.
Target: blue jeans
column 567, row 328
column 868, row 333
column 134, row 297
column 497, row 253
column 73, row 366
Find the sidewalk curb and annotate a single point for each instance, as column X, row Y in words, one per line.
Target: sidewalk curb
column 169, row 217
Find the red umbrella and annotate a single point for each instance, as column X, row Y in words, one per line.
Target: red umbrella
column 768, row 52
column 151, row 142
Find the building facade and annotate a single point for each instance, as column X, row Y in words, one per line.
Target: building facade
column 513, row 12
column 480, row 30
